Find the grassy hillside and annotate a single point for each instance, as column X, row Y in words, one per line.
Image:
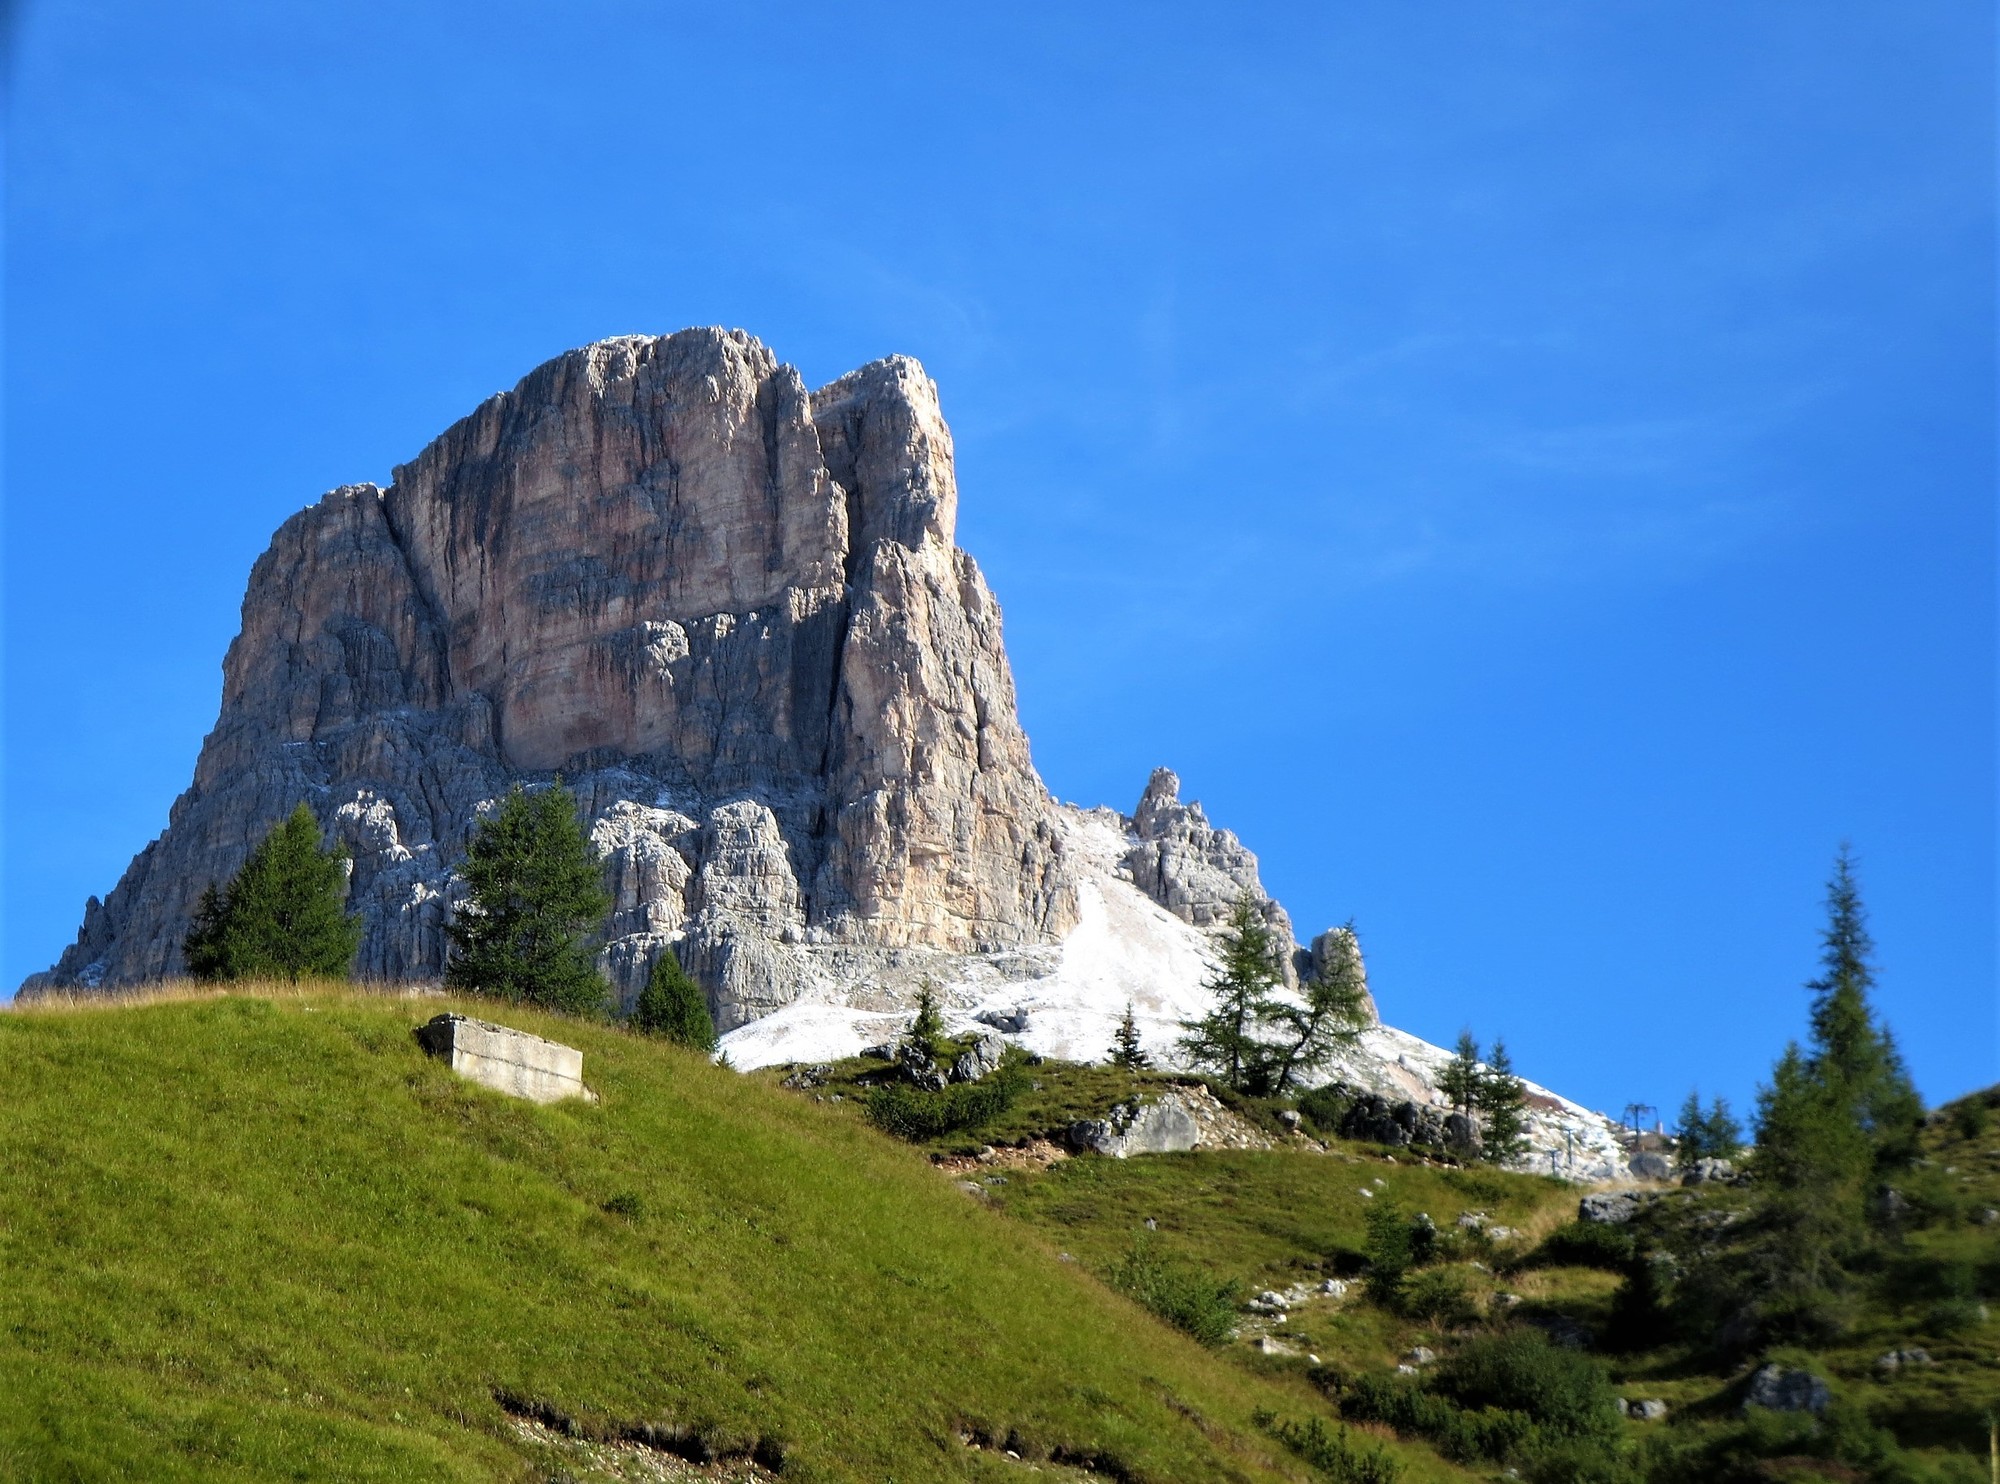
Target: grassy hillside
column 261, row 1236
column 264, row 1237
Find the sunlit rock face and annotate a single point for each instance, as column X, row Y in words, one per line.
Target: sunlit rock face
column 727, row 610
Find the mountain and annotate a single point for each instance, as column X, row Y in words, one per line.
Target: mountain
column 728, row 612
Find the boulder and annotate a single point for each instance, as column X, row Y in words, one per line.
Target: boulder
column 1650, row 1410
column 1708, row 1172
column 981, row 1057
column 505, row 1059
column 1608, row 1207
column 1779, row 1388
column 1896, row 1360
column 1647, row 1165
column 1162, row 1127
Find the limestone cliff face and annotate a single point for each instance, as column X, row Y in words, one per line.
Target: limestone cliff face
column 728, row 610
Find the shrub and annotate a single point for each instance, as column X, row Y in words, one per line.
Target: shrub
column 1333, row 1453
column 1439, row 1297
column 1192, row 1301
column 1586, row 1244
column 672, row 1005
column 914, row 1114
column 1325, row 1107
column 1459, row 1435
column 1970, row 1118
column 1566, row 1393
column 1954, row 1316
column 1389, row 1255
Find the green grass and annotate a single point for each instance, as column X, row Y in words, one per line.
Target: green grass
column 266, row 1238
column 261, row 1236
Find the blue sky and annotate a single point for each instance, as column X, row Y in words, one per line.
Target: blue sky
column 1530, row 468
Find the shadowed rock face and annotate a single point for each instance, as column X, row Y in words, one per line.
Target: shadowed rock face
column 728, row 610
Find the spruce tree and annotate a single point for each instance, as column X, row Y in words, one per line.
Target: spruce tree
column 1722, row 1135
column 1126, row 1050
column 1853, row 1056
column 537, row 897
column 1332, row 1016
column 1225, row 1040
column 923, row 1043
column 1459, row 1081
column 1690, row 1132
column 1813, row 1161
column 672, row 1005
column 1833, row 1116
column 282, row 916
column 1502, row 1101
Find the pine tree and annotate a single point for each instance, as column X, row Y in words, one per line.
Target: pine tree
column 282, row 916
column 1852, row 1055
column 1225, row 1040
column 1459, row 1081
column 672, row 1005
column 1690, row 1132
column 1126, row 1049
column 1333, row 1015
column 1502, row 1101
column 1812, row 1160
column 1722, row 1135
column 537, row 896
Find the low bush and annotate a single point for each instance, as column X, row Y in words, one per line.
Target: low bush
column 1439, row 1297
column 1585, row 1244
column 1324, row 1108
column 1192, row 1301
column 1564, row 1392
column 1333, row 1453
column 1954, row 1316
column 914, row 1114
column 1458, row 1434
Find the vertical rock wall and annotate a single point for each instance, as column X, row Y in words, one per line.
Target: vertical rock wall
column 728, row 611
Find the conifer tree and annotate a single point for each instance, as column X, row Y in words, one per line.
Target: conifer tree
column 537, row 897
column 1126, row 1049
column 1705, row 1134
column 282, row 916
column 1225, row 1040
column 1722, row 1135
column 1833, row 1115
column 923, row 1043
column 672, row 1005
column 1854, row 1056
column 1690, row 1132
column 1333, row 1014
column 1459, row 1081
column 1502, row 1101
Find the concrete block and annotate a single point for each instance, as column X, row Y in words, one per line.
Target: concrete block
column 506, row 1060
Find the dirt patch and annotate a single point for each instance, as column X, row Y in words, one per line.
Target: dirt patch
column 1036, row 1154
column 637, row 1462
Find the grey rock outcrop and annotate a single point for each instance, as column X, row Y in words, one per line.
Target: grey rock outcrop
column 1164, row 1126
column 1608, row 1207
column 1192, row 869
column 1782, row 1389
column 1647, row 1165
column 1709, row 1171
column 1399, row 1123
column 728, row 610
